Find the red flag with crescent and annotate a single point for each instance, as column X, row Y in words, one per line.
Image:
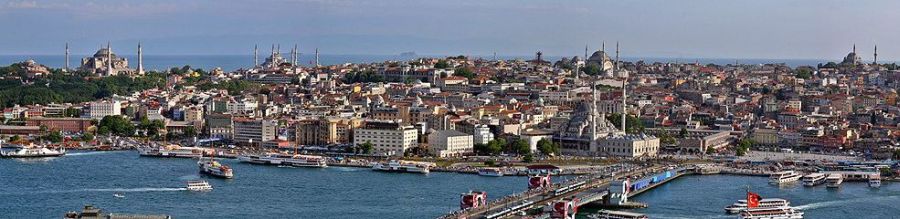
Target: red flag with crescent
column 752, row 200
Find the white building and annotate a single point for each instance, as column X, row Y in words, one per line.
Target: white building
column 446, row 143
column 630, row 145
column 387, row 138
column 482, row 134
column 100, row 109
column 242, row 107
column 254, row 131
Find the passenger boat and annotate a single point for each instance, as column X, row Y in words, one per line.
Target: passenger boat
column 490, row 172
column 210, row 166
column 171, row 151
column 814, row 179
column 741, row 205
column 609, row 214
column 875, row 180
column 403, row 166
column 29, row 151
column 771, row 213
column 834, row 180
column 302, row 160
column 269, row 159
column 198, row 186
column 784, row 177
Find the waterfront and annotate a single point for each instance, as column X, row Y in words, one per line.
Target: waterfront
column 705, row 197
column 47, row 188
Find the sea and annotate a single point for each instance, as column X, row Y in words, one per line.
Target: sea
column 50, row 187
column 233, row 62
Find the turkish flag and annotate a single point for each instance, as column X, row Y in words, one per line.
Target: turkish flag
column 753, row 200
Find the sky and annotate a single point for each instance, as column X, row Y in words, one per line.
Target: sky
column 775, row 29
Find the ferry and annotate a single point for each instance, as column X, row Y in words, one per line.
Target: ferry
column 403, row 166
column 210, row 166
column 198, row 186
column 814, row 179
column 172, row 151
column 609, row 214
column 301, row 160
column 834, row 180
column 490, row 172
column 29, row 151
column 875, row 180
column 784, row 177
column 269, row 158
column 741, row 205
column 772, row 213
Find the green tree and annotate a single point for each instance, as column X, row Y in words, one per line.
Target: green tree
column 464, row 72
column 547, row 147
column 54, row 136
column 190, row 132
column 528, row 158
column 366, row 148
column 495, row 146
column 87, row 137
column 803, row 73
column 520, row 146
column 442, row 65
column 116, row 125
column 683, row 133
column 710, row 150
column 14, row 138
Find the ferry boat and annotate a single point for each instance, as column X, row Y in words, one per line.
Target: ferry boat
column 784, row 177
column 814, row 179
column 875, row 180
column 403, row 166
column 29, row 151
column 301, row 160
column 490, row 172
column 172, row 151
column 741, row 205
column 198, row 186
column 771, row 213
column 609, row 214
column 834, row 180
column 210, row 166
column 269, row 159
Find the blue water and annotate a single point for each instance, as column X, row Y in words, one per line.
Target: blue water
column 706, row 196
column 48, row 188
column 232, row 62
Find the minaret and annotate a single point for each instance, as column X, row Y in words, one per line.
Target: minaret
column 854, row 48
column 67, row 58
column 294, row 55
column 140, row 68
column 624, row 96
column 876, row 55
column 617, row 57
column 109, row 70
column 256, row 55
column 593, row 144
column 317, row 57
column 272, row 57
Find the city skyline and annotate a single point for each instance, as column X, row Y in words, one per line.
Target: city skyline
column 696, row 29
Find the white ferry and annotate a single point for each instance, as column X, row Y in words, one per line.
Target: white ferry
column 784, row 177
column 172, row 151
column 301, row 160
column 814, row 179
column 269, row 158
column 834, row 180
column 490, row 172
column 212, row 167
column 609, row 214
column 771, row 213
column 29, row 151
column 875, row 180
column 741, row 205
column 403, row 166
column 198, row 186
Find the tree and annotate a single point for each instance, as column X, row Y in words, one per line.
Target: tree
column 87, row 137
column 190, row 132
column 14, row 138
column 547, row 147
column 54, row 137
column 441, row 65
column 116, row 125
column 464, row 72
column 528, row 158
column 495, row 146
column 683, row 132
column 803, row 73
column 366, row 148
column 710, row 150
column 520, row 146
column 72, row 112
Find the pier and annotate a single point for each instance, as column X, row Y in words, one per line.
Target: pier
column 603, row 189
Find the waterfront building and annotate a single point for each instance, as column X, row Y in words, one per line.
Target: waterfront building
column 326, row 130
column 387, row 138
column 254, row 132
column 447, row 143
column 640, row 145
column 103, row 108
column 70, row 125
column 219, row 125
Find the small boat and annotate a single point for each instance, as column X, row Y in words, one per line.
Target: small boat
column 741, row 205
column 265, row 159
column 834, row 180
column 875, row 180
column 172, row 151
column 814, row 179
column 118, row 195
column 784, row 177
column 198, row 186
column 610, row 214
column 490, row 172
column 29, row 151
column 772, row 213
column 403, row 166
column 302, row 160
column 210, row 166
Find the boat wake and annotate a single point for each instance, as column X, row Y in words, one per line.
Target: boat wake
column 98, row 190
column 690, row 216
column 818, row 205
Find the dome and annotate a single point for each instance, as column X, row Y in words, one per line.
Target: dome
column 103, row 53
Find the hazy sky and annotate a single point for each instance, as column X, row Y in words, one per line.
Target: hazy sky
column 818, row 29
